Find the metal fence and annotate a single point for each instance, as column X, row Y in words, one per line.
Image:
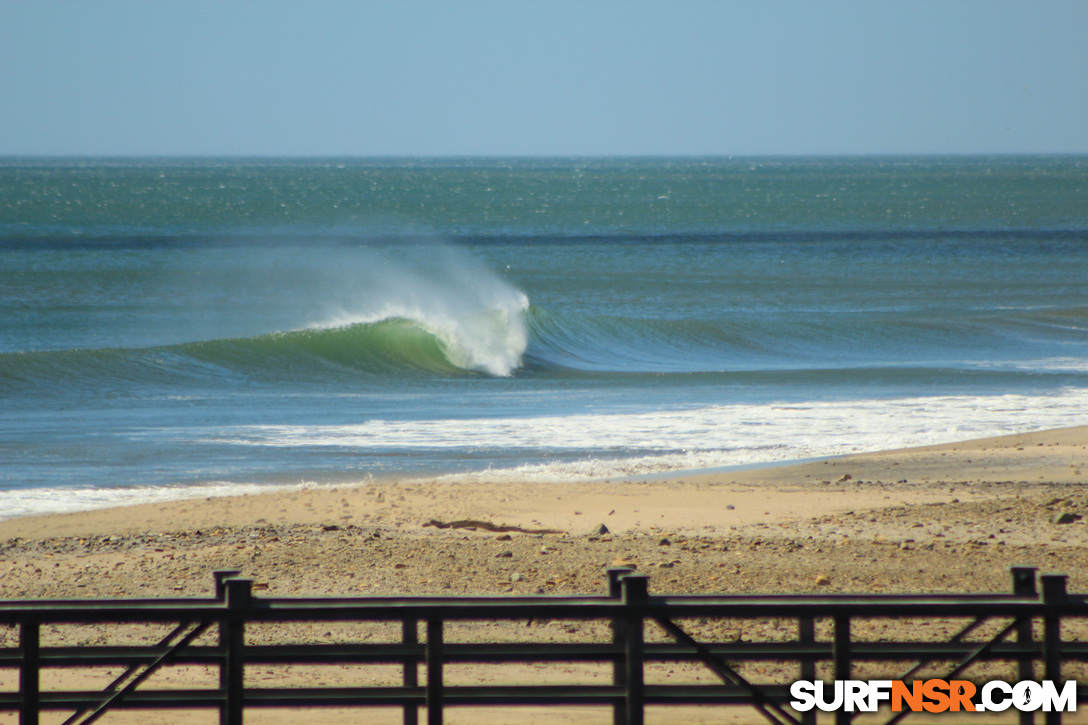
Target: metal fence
column 1023, row 632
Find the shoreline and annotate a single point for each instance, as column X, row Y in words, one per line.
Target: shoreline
column 686, row 499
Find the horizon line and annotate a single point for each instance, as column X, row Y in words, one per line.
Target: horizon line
column 603, row 156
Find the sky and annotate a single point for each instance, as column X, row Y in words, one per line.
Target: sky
column 542, row 77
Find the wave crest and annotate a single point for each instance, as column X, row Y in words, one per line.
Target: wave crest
column 476, row 318
column 490, row 341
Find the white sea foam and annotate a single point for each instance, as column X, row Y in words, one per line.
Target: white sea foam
column 706, row 437
column 40, row 501
column 597, row 446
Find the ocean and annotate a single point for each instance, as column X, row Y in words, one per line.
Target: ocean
column 196, row 327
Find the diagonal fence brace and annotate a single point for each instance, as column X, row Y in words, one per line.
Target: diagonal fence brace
column 729, row 675
column 116, row 695
column 971, row 658
column 112, row 687
column 954, row 638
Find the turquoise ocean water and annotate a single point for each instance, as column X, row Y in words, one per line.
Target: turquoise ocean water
column 175, row 327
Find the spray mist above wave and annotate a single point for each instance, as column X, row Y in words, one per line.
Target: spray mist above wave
column 275, row 310
column 476, row 317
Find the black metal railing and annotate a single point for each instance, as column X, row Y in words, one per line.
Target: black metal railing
column 1021, row 631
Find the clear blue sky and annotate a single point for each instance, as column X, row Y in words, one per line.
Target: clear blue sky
column 542, row 77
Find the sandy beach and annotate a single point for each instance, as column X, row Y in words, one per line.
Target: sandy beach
column 949, row 518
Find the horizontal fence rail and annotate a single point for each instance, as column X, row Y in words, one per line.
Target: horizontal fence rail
column 1025, row 636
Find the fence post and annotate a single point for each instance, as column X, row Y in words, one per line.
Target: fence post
column 410, row 638
column 434, row 672
column 841, row 656
column 1054, row 595
column 806, row 634
column 614, row 577
column 29, row 672
column 635, row 591
column 619, row 639
column 239, row 596
column 1023, row 585
column 221, row 577
column 1023, row 581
